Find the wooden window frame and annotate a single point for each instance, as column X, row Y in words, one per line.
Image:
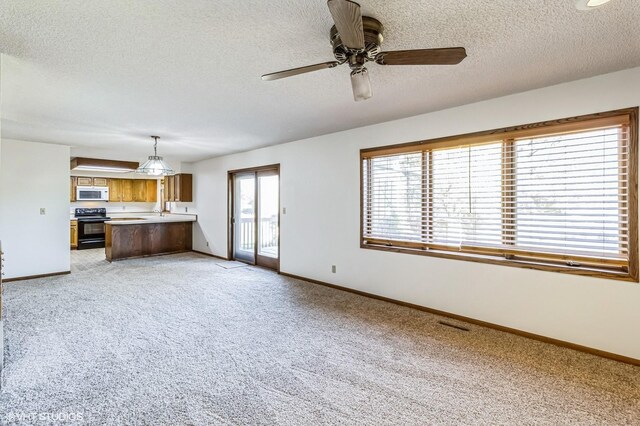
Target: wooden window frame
column 516, row 257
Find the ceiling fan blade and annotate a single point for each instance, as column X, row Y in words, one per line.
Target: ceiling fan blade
column 348, row 19
column 361, row 84
column 445, row 56
column 301, row 70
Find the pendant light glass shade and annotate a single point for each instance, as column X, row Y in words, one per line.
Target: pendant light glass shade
column 590, row 4
column 361, row 84
column 155, row 165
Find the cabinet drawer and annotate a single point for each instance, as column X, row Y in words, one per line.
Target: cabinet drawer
column 99, row 181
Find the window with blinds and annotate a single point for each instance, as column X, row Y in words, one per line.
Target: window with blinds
column 557, row 196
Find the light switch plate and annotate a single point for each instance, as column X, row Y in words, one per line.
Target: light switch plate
column 43, row 210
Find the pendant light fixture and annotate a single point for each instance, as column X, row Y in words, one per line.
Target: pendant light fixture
column 155, row 165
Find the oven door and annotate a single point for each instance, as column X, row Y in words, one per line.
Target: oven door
column 91, row 233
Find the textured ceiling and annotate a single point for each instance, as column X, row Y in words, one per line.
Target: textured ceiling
column 104, row 74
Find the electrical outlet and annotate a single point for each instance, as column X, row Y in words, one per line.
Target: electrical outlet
column 186, row 209
column 124, row 207
column 207, row 243
column 43, row 210
column 284, row 210
column 333, row 269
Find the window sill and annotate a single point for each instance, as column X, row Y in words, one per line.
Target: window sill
column 613, row 274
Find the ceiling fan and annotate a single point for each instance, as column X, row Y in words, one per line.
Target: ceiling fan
column 356, row 40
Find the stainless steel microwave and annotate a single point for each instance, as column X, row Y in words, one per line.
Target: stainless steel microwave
column 92, row 193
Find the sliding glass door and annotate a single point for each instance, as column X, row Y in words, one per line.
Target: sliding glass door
column 254, row 216
column 244, row 213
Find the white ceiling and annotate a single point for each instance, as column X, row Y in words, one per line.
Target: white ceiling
column 102, row 75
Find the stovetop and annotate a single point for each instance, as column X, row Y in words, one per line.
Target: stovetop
column 95, row 213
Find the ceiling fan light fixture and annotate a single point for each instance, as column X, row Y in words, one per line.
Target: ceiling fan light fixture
column 361, row 85
column 590, row 4
column 357, row 39
column 155, row 165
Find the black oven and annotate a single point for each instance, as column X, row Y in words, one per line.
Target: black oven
column 91, row 227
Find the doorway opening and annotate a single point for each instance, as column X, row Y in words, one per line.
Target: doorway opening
column 254, row 216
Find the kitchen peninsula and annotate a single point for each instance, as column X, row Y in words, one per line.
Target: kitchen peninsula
column 142, row 236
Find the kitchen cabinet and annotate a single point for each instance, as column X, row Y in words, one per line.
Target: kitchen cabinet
column 84, row 181
column 74, row 234
column 120, row 190
column 183, row 187
column 115, row 190
column 152, row 191
column 139, row 190
column 167, row 193
column 178, row 188
column 125, row 240
column 92, row 181
column 72, row 188
column 127, row 190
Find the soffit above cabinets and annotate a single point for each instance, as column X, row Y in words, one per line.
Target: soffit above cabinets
column 100, row 165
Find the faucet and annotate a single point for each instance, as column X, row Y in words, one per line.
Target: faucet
column 159, row 211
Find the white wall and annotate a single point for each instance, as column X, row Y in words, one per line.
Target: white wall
column 34, row 176
column 1, row 315
column 320, row 190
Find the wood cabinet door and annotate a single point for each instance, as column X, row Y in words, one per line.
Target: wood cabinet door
column 139, row 190
column 127, row 190
column 72, row 188
column 177, row 181
column 185, row 188
column 74, row 234
column 115, row 190
column 165, row 189
column 152, row 190
column 170, row 187
column 99, row 181
column 85, row 181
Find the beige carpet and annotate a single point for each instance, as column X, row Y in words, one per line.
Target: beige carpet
column 179, row 340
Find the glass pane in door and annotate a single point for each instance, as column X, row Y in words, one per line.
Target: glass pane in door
column 268, row 206
column 244, row 216
column 89, row 229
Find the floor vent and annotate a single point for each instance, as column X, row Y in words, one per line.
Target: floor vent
column 448, row 324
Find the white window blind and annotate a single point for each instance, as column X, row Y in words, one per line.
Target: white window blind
column 466, row 195
column 394, row 201
column 560, row 197
column 570, row 194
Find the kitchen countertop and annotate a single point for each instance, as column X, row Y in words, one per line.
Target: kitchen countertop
column 155, row 218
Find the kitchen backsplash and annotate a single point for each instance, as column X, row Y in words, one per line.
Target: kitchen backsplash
column 188, row 208
column 116, row 207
